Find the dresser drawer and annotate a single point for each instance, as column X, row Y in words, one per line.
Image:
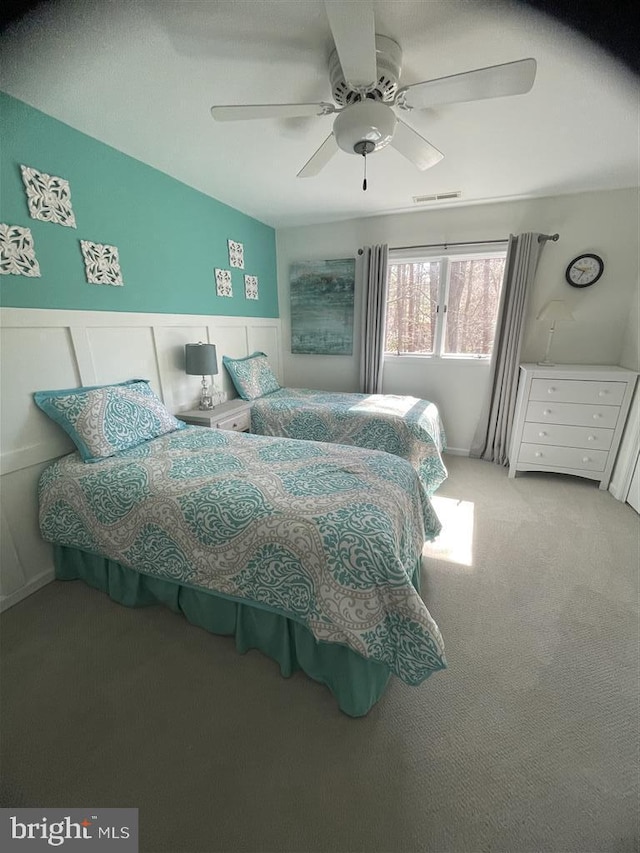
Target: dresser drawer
column 568, row 436
column 240, row 422
column 578, row 391
column 563, row 457
column 572, row 413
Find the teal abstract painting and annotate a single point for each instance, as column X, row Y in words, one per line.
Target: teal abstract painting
column 322, row 306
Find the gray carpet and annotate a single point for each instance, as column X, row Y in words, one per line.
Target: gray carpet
column 528, row 742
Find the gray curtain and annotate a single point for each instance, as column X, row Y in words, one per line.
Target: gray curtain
column 493, row 434
column 374, row 308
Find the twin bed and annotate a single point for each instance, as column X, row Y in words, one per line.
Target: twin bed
column 307, row 550
column 404, row 426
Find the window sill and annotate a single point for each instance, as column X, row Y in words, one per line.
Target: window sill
column 472, row 359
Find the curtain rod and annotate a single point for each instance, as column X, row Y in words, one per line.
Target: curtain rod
column 541, row 238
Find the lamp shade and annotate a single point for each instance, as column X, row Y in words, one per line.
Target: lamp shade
column 201, row 359
column 555, row 310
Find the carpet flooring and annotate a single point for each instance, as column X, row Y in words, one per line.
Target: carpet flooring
column 527, row 742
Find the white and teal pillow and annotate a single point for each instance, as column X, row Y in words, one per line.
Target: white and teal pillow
column 251, row 375
column 105, row 419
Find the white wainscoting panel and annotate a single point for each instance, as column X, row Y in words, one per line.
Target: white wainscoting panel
column 44, row 349
column 266, row 339
column 179, row 391
column 20, row 509
column 232, row 342
column 12, row 577
column 33, row 359
column 116, row 351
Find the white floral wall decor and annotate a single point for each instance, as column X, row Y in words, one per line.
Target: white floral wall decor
column 224, row 286
column 17, row 253
column 48, row 197
column 101, row 263
column 251, row 286
column 236, row 254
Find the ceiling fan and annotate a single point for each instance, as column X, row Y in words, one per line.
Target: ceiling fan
column 364, row 71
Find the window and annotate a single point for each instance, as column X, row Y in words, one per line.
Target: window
column 443, row 305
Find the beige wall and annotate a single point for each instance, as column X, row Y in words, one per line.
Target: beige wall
column 604, row 222
column 631, row 342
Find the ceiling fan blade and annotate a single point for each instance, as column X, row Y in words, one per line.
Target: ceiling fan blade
column 414, row 147
column 320, row 159
column 354, row 34
column 251, row 111
column 511, row 78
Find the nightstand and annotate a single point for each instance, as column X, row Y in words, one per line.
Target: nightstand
column 234, row 415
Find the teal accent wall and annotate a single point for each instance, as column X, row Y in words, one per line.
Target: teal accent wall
column 170, row 237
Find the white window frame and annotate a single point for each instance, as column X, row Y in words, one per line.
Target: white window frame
column 399, row 256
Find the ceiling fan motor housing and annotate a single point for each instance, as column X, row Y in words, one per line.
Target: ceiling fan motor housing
column 365, row 122
column 383, row 88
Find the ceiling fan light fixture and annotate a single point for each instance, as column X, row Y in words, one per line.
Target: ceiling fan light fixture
column 365, row 147
column 366, row 121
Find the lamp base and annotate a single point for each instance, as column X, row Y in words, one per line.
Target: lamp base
column 206, row 400
column 545, row 359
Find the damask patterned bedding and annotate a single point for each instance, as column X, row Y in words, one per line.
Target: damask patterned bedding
column 405, row 426
column 327, row 535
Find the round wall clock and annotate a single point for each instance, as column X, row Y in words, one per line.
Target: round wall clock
column 584, row 270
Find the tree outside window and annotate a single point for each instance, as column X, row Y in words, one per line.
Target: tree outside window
column 444, row 306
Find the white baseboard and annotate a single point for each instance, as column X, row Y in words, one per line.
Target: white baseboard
column 7, row 601
column 456, row 451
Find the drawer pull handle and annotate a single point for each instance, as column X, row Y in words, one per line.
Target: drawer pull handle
column 235, row 425
column 586, row 459
column 537, row 453
column 603, row 393
column 550, row 390
column 548, row 412
column 591, row 438
column 596, row 416
column 542, row 433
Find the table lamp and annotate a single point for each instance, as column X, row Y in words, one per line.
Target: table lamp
column 552, row 312
column 201, row 360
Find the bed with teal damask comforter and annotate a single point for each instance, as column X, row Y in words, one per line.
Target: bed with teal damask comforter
column 405, row 426
column 322, row 542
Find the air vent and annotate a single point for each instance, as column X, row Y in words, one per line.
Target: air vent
column 422, row 199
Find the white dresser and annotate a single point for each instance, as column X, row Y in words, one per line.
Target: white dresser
column 569, row 418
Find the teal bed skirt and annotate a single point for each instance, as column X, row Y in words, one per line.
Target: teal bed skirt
column 356, row 683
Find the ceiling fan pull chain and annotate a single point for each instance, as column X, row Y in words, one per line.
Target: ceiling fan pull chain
column 364, row 182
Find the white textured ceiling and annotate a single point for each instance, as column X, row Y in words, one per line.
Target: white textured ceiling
column 141, row 76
